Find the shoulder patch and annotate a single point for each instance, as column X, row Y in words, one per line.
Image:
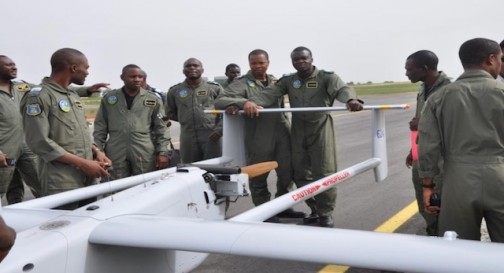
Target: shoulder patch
column 212, row 82
column 241, row 77
column 33, row 109
column 22, row 87
column 327, row 72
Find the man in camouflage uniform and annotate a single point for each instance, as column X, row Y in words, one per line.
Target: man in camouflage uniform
column 463, row 124
column 56, row 128
column 267, row 137
column 130, row 129
column 422, row 66
column 312, row 133
column 200, row 133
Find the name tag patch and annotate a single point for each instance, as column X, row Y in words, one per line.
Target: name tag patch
column 312, row 84
column 149, row 103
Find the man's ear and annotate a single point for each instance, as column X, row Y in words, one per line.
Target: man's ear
column 73, row 68
column 491, row 59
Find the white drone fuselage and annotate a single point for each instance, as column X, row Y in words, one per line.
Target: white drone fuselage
column 61, row 244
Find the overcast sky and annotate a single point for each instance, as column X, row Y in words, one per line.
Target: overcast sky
column 366, row 40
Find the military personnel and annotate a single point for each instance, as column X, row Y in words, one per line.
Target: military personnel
column 129, row 127
column 200, row 133
column 232, row 72
column 56, row 128
column 422, row 66
column 462, row 123
column 267, row 137
column 312, row 133
column 27, row 164
column 12, row 144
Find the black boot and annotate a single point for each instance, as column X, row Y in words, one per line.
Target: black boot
column 291, row 213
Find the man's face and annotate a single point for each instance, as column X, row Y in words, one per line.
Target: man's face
column 193, row 69
column 132, row 78
column 80, row 70
column 258, row 64
column 414, row 72
column 302, row 61
column 502, row 67
column 8, row 70
column 233, row 72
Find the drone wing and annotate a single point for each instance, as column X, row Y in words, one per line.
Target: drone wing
column 300, row 243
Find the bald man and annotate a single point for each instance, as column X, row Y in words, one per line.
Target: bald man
column 200, row 134
column 56, row 128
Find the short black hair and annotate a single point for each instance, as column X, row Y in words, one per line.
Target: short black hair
column 502, row 45
column 475, row 51
column 302, row 48
column 259, row 52
column 65, row 57
column 131, row 66
column 424, row 58
column 231, row 66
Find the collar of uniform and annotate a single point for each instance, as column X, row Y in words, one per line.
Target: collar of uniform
column 251, row 77
column 195, row 87
column 312, row 75
column 142, row 92
column 475, row 73
column 53, row 85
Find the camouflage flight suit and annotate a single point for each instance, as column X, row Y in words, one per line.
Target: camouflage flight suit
column 312, row 133
column 267, row 137
column 430, row 219
column 131, row 138
column 55, row 123
column 463, row 123
column 185, row 105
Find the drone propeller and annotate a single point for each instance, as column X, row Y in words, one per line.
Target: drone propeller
column 259, row 168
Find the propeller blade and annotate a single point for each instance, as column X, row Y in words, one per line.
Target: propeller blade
column 259, row 168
